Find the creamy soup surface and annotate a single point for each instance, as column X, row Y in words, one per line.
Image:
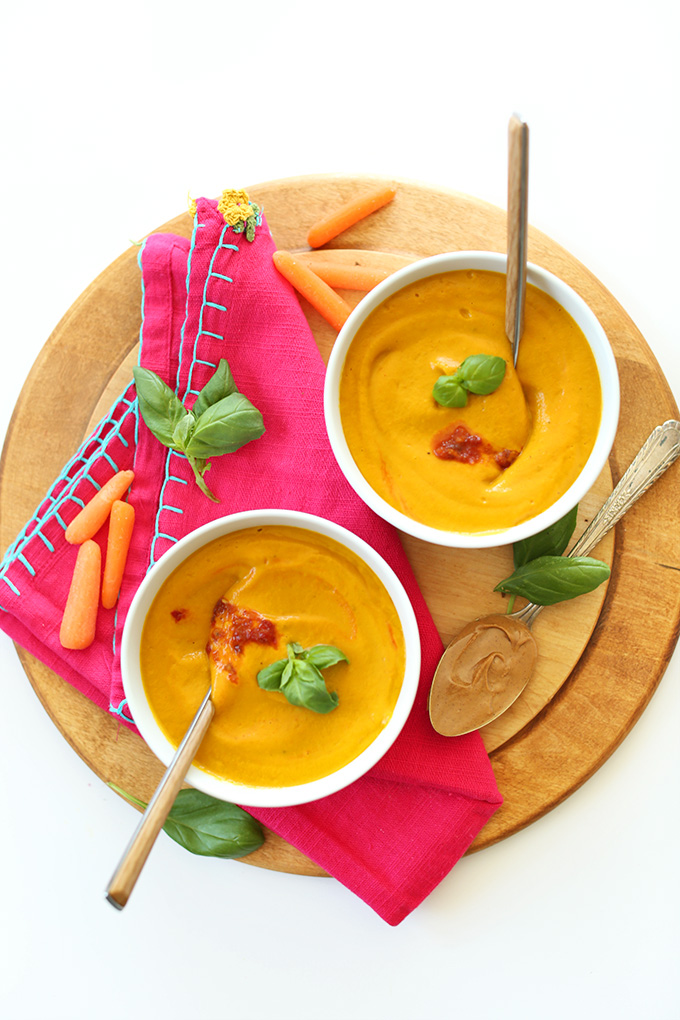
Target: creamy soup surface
column 281, row 584
column 515, row 451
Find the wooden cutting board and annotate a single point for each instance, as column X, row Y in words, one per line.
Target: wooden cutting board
column 601, row 656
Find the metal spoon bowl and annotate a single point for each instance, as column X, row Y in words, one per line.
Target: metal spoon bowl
column 486, row 667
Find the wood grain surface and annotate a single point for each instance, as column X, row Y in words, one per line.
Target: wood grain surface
column 601, row 656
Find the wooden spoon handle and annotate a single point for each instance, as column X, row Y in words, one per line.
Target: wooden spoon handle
column 152, row 821
column 518, row 186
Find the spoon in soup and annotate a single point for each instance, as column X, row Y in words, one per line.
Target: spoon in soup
column 230, row 628
column 157, row 810
column 518, row 191
column 488, row 664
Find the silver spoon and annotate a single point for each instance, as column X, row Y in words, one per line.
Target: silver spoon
column 518, row 195
column 486, row 667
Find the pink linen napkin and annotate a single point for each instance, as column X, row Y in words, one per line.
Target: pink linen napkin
column 394, row 834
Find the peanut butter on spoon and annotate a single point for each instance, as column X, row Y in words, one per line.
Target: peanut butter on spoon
column 484, row 669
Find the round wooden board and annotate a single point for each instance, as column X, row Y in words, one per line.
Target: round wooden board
column 600, row 663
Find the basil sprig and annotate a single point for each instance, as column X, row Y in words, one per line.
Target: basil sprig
column 299, row 678
column 551, row 541
column 222, row 419
column 543, row 575
column 206, row 826
column 550, row 579
column 480, row 373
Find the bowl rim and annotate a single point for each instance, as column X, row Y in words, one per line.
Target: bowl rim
column 579, row 310
column 263, row 796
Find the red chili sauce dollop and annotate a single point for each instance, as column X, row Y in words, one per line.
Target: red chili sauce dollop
column 456, row 442
column 233, row 627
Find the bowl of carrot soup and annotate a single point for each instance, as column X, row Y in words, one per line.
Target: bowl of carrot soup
column 306, row 638
column 438, row 431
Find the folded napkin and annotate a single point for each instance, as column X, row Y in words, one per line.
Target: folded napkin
column 394, row 834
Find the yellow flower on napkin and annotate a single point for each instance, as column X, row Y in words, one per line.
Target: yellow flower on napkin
column 235, row 206
column 237, row 210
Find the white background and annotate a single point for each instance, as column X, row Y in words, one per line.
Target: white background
column 110, row 116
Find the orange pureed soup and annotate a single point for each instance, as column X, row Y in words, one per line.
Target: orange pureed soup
column 542, row 420
column 283, row 584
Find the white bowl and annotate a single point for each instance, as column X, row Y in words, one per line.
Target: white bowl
column 222, row 788
column 604, row 359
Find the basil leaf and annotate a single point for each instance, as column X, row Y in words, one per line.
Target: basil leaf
column 212, row 828
column 221, row 384
column 481, row 373
column 224, row 427
column 306, row 688
column 550, row 579
column 183, row 430
column 206, row 826
column 160, row 406
column 299, row 679
column 323, row 656
column 551, row 541
column 199, row 467
column 269, row 678
column 228, row 421
column 448, row 392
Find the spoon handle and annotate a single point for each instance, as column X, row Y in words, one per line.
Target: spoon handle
column 157, row 810
column 516, row 276
column 657, row 454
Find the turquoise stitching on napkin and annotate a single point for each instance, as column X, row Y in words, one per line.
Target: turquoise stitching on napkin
column 208, row 304
column 157, row 533
column 63, row 488
column 186, row 312
column 90, row 479
column 12, row 586
column 29, row 568
column 195, row 360
column 121, row 711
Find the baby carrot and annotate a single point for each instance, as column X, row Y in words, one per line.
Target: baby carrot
column 121, row 523
column 347, row 277
column 87, row 523
column 347, row 215
column 319, row 294
column 80, row 613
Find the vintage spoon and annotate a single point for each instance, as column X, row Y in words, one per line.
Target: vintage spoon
column 518, row 193
column 487, row 666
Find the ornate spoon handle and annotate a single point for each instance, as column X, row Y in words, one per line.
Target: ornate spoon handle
column 655, row 456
